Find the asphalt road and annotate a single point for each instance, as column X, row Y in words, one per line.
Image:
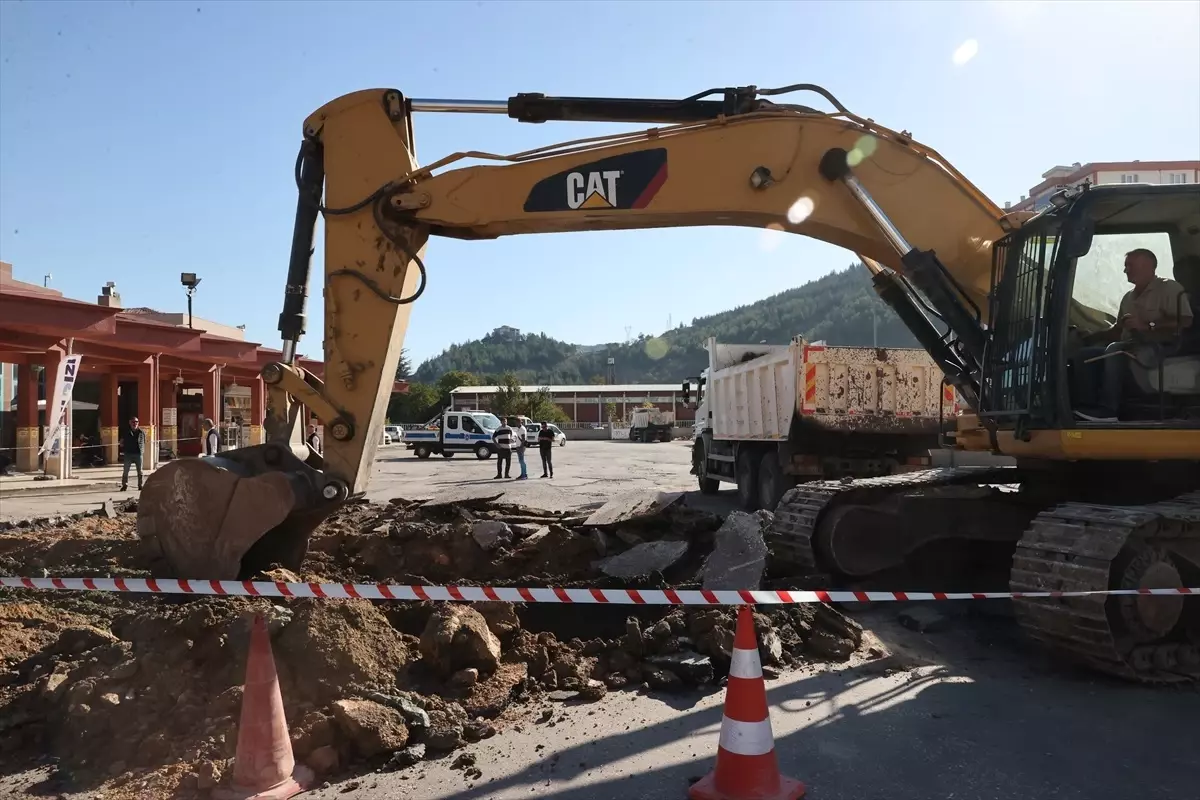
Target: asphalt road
column 973, row 712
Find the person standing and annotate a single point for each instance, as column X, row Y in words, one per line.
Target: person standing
column 545, row 440
column 521, row 437
column 504, row 439
column 212, row 439
column 133, row 443
column 314, row 440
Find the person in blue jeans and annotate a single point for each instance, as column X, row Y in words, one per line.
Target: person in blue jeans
column 521, row 435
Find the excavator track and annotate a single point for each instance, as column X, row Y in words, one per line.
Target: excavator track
column 800, row 510
column 1083, row 547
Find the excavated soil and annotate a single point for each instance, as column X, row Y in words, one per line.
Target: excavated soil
column 139, row 695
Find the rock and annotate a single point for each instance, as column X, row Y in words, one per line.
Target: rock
column 74, row 641
column 208, row 775
column 501, row 618
column 463, row 761
column 770, row 646
column 80, row 692
column 563, row 696
column 446, row 722
column 628, row 537
column 110, row 699
column 924, row 619
column 592, row 691
column 632, row 640
column 464, row 678
column 599, row 541
column 491, row 534
column 662, row 679
column 524, row 529
column 739, row 554
column 477, row 729
column 457, row 636
column 691, row 668
column 372, row 727
column 532, row 538
column 55, row 685
column 415, row 717
column 108, row 510
column 124, row 671
column 633, row 505
column 410, row 755
column 616, row 681
column 644, row 559
column 824, row 644
column 323, row 760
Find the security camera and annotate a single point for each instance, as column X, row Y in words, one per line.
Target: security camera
column 189, row 279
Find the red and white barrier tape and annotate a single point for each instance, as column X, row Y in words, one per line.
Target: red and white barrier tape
column 468, row 594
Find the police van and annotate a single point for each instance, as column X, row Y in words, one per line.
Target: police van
column 455, row 432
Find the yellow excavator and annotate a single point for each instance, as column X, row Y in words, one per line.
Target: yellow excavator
column 998, row 299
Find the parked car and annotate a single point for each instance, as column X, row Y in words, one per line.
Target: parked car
column 394, row 432
column 560, row 438
column 385, row 438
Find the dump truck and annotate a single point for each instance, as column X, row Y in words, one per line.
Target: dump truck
column 771, row 416
column 651, row 425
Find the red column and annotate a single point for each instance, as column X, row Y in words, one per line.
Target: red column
column 212, row 396
column 28, row 436
column 109, row 421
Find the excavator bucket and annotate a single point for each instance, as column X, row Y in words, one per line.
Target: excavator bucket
column 231, row 516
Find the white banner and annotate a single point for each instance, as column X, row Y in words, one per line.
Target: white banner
column 56, row 407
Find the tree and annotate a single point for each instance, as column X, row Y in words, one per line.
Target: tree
column 404, row 366
column 452, row 380
column 419, row 404
column 542, row 407
column 610, row 412
column 597, row 380
column 508, row 399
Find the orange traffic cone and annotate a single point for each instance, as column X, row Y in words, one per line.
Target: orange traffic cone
column 263, row 767
column 746, row 767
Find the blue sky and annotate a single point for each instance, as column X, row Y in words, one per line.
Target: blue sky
column 139, row 140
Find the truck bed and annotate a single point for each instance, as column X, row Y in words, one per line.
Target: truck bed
column 859, row 389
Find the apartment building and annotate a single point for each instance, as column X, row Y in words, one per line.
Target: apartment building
column 1104, row 172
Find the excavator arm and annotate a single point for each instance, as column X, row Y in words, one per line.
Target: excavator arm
column 739, row 160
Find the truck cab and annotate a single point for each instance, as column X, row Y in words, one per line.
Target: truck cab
column 651, row 425
column 455, row 432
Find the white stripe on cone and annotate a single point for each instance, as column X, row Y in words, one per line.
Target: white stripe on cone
column 746, row 738
column 745, row 664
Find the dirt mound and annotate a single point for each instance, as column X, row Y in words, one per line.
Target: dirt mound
column 141, row 694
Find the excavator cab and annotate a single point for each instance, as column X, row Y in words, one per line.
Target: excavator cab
column 1058, row 278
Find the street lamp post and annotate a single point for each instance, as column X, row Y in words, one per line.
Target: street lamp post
column 190, row 282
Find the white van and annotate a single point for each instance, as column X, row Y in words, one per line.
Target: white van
column 455, row 432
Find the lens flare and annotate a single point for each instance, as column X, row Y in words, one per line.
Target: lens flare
column 656, row 348
column 801, row 210
column 966, row 51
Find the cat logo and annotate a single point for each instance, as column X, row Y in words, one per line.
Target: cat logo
column 626, row 182
column 593, row 190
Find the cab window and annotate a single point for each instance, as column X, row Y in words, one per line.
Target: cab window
column 452, row 423
column 469, row 425
column 1100, row 275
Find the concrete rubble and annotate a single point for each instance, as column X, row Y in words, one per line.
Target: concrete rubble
column 141, row 694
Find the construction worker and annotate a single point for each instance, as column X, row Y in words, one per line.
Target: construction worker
column 545, row 440
column 133, row 443
column 505, row 444
column 521, row 435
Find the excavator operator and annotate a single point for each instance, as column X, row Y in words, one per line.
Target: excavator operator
column 1152, row 313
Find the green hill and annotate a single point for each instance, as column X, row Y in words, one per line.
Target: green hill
column 840, row 308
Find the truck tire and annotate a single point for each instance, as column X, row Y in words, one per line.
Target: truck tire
column 422, row 451
column 483, row 452
column 707, row 485
column 773, row 484
column 746, row 472
column 447, row 454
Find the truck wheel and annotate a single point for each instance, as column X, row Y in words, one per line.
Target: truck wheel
column 746, row 470
column 707, row 485
column 422, row 451
column 772, row 483
column 483, row 452
column 446, row 454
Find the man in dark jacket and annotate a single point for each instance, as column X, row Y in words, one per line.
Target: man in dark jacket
column 212, row 439
column 506, row 442
column 133, row 443
column 545, row 440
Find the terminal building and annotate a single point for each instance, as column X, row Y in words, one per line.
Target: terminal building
column 590, row 404
column 134, row 362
